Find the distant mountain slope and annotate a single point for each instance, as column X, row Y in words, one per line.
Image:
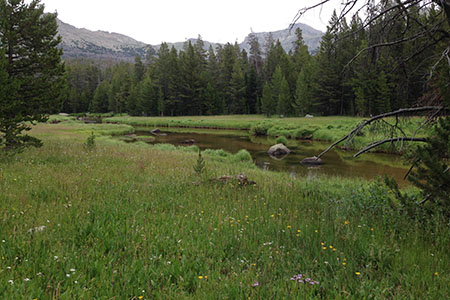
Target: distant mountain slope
column 311, row 36
column 84, row 43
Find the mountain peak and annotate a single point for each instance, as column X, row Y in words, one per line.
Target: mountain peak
column 100, row 44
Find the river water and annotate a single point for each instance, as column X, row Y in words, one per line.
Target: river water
column 336, row 162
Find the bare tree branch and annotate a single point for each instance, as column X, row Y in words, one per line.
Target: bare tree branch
column 397, row 139
column 378, row 117
column 387, row 44
column 302, row 11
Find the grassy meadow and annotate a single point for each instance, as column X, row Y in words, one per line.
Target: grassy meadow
column 328, row 129
column 134, row 221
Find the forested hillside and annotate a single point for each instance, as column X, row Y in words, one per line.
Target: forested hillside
column 346, row 77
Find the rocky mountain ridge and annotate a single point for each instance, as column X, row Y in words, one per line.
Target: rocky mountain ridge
column 84, row 43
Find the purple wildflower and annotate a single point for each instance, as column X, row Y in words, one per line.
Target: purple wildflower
column 308, row 279
column 255, row 284
column 296, row 277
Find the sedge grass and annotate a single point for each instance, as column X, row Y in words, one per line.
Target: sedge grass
column 129, row 220
column 328, row 129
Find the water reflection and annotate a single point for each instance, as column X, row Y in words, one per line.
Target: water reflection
column 336, row 163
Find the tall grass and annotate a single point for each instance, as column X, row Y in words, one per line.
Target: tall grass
column 131, row 220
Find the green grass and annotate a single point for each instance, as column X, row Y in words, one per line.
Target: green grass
column 130, row 220
column 328, row 129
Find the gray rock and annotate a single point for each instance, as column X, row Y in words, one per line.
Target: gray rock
column 189, row 142
column 309, row 116
column 278, row 150
column 312, row 161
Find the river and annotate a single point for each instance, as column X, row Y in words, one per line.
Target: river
column 336, row 162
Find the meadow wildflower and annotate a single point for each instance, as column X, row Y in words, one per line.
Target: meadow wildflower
column 299, row 278
column 358, row 273
column 255, row 284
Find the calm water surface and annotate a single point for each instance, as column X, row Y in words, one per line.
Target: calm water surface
column 336, row 163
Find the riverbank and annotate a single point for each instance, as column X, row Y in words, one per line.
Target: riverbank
column 329, row 129
column 131, row 220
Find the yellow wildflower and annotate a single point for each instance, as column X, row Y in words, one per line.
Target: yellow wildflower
column 358, row 273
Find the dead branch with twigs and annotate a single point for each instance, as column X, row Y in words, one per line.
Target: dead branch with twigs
column 358, row 128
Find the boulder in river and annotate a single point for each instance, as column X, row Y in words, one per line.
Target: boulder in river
column 156, row 131
column 312, row 161
column 189, row 142
column 278, row 150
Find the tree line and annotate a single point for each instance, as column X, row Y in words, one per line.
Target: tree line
column 348, row 76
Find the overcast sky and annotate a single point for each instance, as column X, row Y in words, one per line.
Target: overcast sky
column 176, row 20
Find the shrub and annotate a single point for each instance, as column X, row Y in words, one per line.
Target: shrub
column 281, row 140
column 90, row 142
column 219, row 154
column 259, row 129
column 302, row 133
column 199, row 167
column 242, row 156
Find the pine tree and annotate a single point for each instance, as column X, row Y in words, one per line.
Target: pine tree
column 276, row 82
column 303, row 92
column 255, row 53
column 273, row 60
column 161, row 103
column 268, row 103
column 28, row 41
column 284, row 106
column 148, row 98
column 300, row 55
column 382, row 99
column 237, row 90
column 101, row 96
column 190, row 83
column 432, row 173
column 139, row 69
